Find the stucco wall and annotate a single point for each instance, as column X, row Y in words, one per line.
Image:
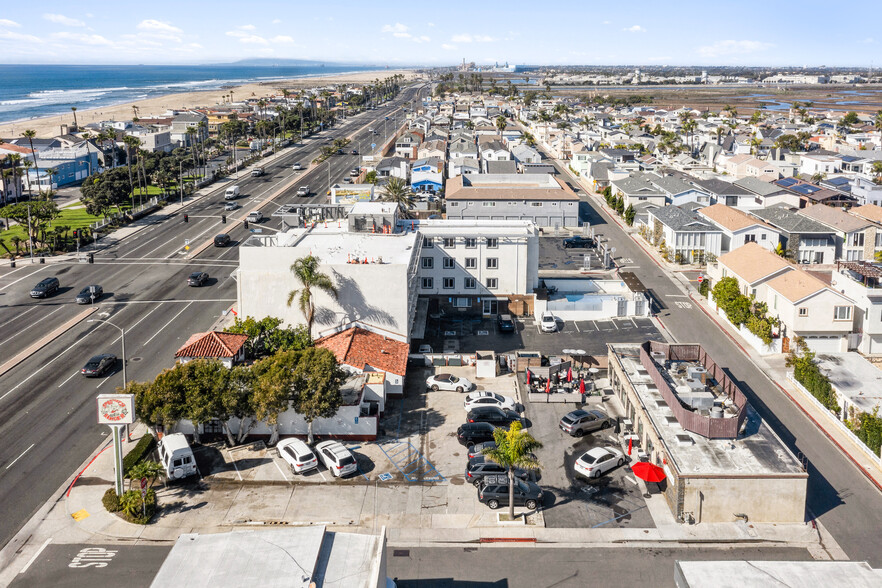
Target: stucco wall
column 763, row 499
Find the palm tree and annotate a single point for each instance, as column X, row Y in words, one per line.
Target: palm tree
column 396, row 190
column 877, row 172
column 50, row 174
column 129, row 142
column 74, row 109
column 307, row 272
column 514, row 449
column 86, row 137
column 145, row 469
column 500, row 123
column 30, row 134
column 191, row 138
column 27, row 164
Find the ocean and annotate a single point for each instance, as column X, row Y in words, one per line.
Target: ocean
column 32, row 91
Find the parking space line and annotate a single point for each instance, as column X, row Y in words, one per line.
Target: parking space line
column 576, row 324
column 280, row 470
column 632, row 321
column 238, row 473
column 615, row 325
column 323, row 476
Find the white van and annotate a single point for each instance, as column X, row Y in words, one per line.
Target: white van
column 232, row 193
column 176, row 456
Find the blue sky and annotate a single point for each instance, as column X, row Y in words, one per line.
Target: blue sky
column 710, row 32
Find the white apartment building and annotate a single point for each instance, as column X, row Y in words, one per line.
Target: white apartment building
column 477, row 265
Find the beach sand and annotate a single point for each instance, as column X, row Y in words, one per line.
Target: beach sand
column 50, row 126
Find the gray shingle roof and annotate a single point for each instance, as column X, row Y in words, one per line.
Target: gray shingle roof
column 758, row 187
column 671, row 185
column 787, row 220
column 715, row 186
column 679, row 220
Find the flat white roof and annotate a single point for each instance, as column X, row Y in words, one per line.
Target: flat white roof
column 471, row 228
column 853, row 377
column 793, row 574
column 336, row 245
column 756, row 452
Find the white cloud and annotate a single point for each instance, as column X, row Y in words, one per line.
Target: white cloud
column 194, row 45
column 247, row 38
column 248, row 27
column 867, row 41
column 466, row 38
column 606, row 22
column 20, row 37
column 282, row 39
column 398, row 30
column 731, row 47
column 4, row 22
column 158, row 26
column 421, row 39
column 83, row 38
column 64, row 20
column 276, row 21
column 447, row 47
column 634, row 29
column 431, row 24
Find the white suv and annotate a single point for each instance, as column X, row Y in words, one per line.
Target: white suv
column 548, row 322
column 336, row 458
column 297, row 454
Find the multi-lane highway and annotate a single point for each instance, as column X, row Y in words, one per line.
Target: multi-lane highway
column 47, row 408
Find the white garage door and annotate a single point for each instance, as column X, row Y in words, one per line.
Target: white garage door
column 821, row 344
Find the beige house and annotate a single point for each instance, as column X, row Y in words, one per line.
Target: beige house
column 752, row 265
column 740, row 228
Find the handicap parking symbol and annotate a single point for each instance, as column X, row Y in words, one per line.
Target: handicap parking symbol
column 385, row 477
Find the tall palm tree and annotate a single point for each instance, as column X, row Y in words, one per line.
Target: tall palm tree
column 27, row 164
column 202, row 127
column 30, row 134
column 514, row 449
column 191, row 139
column 500, row 123
column 129, row 142
column 50, row 174
column 86, row 137
column 74, row 109
column 307, row 272
column 396, row 190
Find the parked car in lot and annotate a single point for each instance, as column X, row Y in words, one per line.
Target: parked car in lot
column 99, row 365
column 197, row 279
column 230, row 206
column 577, row 241
column 425, row 348
column 487, row 398
column 505, row 323
column 480, row 467
column 336, row 458
column 90, row 294
column 448, row 382
column 221, row 240
column 469, row 434
column 297, row 454
column 596, row 462
column 579, row 422
column 548, row 322
column 45, row 287
column 478, row 448
column 494, row 493
column 493, row 415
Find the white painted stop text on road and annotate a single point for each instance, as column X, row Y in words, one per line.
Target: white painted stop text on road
column 92, row 557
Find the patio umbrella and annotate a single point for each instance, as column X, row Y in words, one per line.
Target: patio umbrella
column 581, row 386
column 570, row 374
column 529, row 376
column 548, row 386
column 648, row 472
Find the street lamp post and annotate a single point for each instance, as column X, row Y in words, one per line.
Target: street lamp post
column 181, row 179
column 122, row 332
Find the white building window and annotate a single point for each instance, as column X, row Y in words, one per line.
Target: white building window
column 448, row 283
column 449, row 243
column 471, row 262
column 428, row 242
column 492, row 283
column 492, row 243
column 841, row 313
column 471, row 243
column 428, row 262
column 803, row 311
column 470, row 283
column 488, row 204
column 462, row 302
column 428, row 283
column 453, row 204
column 535, row 204
column 492, row 262
column 449, row 263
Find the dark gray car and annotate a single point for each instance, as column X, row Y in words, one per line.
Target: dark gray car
column 90, row 294
column 579, row 422
column 480, row 467
column 494, row 493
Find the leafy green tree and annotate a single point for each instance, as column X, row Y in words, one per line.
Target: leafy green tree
column 237, row 401
column 807, row 373
column 850, row 118
column 266, row 336
column 107, row 190
column 203, row 380
column 629, row 215
column 162, row 402
column 41, row 213
column 514, row 449
column 371, row 177
column 725, row 291
column 319, row 378
column 620, row 205
column 274, row 386
column 310, row 278
column 877, row 172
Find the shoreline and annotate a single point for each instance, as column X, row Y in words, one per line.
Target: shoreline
column 50, row 126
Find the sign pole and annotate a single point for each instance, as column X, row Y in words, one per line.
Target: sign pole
column 118, row 458
column 117, row 411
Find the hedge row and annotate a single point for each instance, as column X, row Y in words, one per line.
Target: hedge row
column 143, row 448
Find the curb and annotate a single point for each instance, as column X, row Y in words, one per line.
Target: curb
column 34, row 347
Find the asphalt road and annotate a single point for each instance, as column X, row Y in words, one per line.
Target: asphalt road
column 96, row 566
column 47, row 409
column 534, row 567
column 839, row 495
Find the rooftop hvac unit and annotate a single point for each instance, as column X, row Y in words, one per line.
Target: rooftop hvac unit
column 716, row 412
column 696, row 400
column 695, row 385
column 697, row 373
column 658, row 357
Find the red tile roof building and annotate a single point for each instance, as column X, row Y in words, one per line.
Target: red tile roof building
column 359, row 347
column 214, row 345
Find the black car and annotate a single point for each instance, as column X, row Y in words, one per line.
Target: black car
column 493, row 492
column 469, row 434
column 221, row 240
column 577, row 241
column 354, row 152
column 99, row 365
column 505, row 323
column 46, row 287
column 494, row 415
column 480, row 467
column 197, row 279
column 90, row 294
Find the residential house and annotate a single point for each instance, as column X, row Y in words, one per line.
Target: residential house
column 541, row 198
column 637, row 188
column 683, row 236
column 507, row 166
column 678, row 192
column 740, row 228
column 857, row 239
column 407, row 145
column 393, row 167
column 435, row 148
column 361, row 351
column 812, row 194
column 752, row 266
column 427, row 175
column 811, row 164
column 462, row 148
column 494, row 151
column 727, row 193
column 68, row 166
column 768, row 194
column 862, row 282
column 459, row 166
column 181, row 123
column 804, row 240
column 866, row 191
column 227, row 348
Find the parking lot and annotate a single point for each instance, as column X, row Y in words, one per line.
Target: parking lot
column 483, row 333
column 554, row 256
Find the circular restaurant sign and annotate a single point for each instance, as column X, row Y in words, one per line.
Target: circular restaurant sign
column 113, row 410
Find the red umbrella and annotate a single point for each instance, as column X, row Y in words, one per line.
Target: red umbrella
column 648, row 472
column 569, row 374
column 581, row 386
column 629, row 445
column 548, row 386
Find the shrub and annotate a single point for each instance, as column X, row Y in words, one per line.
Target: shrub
column 807, row 373
column 704, row 288
column 110, row 500
column 868, row 428
column 143, row 448
column 135, row 510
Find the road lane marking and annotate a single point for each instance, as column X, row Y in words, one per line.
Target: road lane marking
column 238, row 473
column 68, row 379
column 22, row 278
column 165, row 325
column 35, row 556
column 20, row 456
